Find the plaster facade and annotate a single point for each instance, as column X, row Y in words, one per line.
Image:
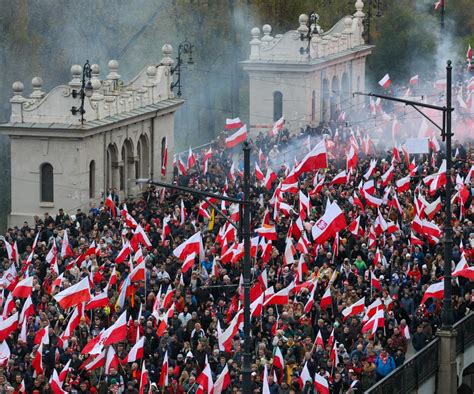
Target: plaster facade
column 306, row 88
column 121, row 139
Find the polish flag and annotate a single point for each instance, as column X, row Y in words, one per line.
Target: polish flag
column 8, row 307
column 369, row 187
column 403, row 184
column 8, row 325
column 110, row 203
column 75, row 294
column 24, row 288
column 116, row 332
column 430, row 229
column 236, row 138
column 278, row 126
column 329, row 224
column 265, row 386
column 42, row 336
column 94, row 362
column 436, row 290
column 182, row 213
column 281, row 297
column 138, row 273
column 123, row 254
column 112, row 360
column 258, row 173
column 66, row 250
column 310, row 302
column 267, row 232
column 327, row 299
column 354, row 309
column 371, row 170
column 304, row 376
column 27, row 310
column 375, row 282
column 371, row 200
column 414, row 80
column 314, row 160
column 191, row 159
column 222, row 382
column 192, row 244
column 319, row 340
column 278, row 360
column 164, row 158
column 235, row 123
column 181, row 167
column 352, row 159
column 467, row 273
column 380, row 224
column 321, row 384
column 356, row 201
column 73, row 322
column 394, row 203
column 270, row 177
column 56, row 384
column 188, row 263
column 202, row 212
column 63, row 374
column 139, row 236
column 376, row 321
column 204, row 380
column 392, row 227
column 385, row 81
column 373, row 308
column 387, row 177
column 37, row 362
column 143, row 379
column 414, row 240
column 340, row 179
column 355, row 227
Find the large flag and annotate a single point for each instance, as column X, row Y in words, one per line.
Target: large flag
column 192, row 244
column 331, row 223
column 436, row 290
column 76, row 294
column 236, row 138
column 24, row 288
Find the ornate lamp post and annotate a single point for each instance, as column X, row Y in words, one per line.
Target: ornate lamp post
column 313, row 29
column 377, row 4
column 86, row 90
column 185, row 48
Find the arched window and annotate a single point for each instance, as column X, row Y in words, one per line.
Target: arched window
column 92, row 179
column 46, row 183
column 277, row 105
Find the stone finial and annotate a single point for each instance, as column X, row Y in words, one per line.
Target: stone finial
column 95, row 71
column 347, row 25
column 76, row 71
column 37, row 83
column 359, row 5
column 113, row 70
column 167, row 50
column 267, row 29
column 17, row 88
column 303, row 28
column 255, row 44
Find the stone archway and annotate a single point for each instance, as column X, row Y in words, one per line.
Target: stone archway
column 112, row 170
column 143, row 153
column 127, row 169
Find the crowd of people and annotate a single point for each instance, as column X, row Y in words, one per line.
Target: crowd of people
column 183, row 307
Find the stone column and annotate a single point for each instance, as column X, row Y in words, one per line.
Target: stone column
column 447, row 373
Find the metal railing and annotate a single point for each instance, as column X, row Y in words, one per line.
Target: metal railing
column 465, row 333
column 424, row 364
column 414, row 372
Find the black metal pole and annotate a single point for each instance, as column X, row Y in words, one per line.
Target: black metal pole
column 447, row 311
column 442, row 13
column 246, row 370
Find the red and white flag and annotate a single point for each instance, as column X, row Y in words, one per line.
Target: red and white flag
column 222, row 382
column 326, row 300
column 164, row 158
column 23, row 288
column 436, row 290
column 143, row 380
column 385, row 81
column 331, row 223
column 110, row 203
column 354, row 309
column 191, row 158
column 321, row 384
column 8, row 325
column 236, row 138
column 192, row 244
column 414, row 80
column 74, row 295
column 403, row 184
column 340, row 179
column 235, row 123
column 112, row 360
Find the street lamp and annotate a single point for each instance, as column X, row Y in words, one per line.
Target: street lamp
column 244, row 233
column 86, row 90
column 313, row 29
column 185, row 48
column 376, row 3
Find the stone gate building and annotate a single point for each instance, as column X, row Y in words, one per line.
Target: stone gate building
column 306, row 88
column 59, row 162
